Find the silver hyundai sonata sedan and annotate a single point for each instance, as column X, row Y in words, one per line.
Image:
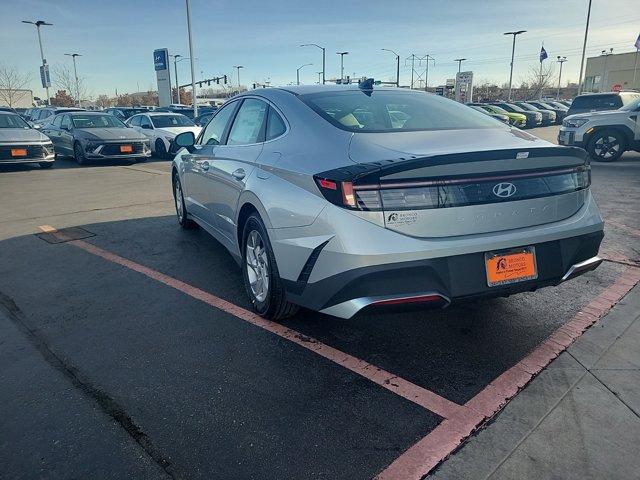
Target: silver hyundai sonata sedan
column 349, row 198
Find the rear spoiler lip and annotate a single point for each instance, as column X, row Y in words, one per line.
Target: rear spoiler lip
column 372, row 171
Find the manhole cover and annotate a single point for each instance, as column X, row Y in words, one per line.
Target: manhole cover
column 66, row 235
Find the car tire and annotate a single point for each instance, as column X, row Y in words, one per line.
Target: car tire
column 181, row 207
column 78, row 154
column 606, row 146
column 161, row 150
column 260, row 273
column 46, row 164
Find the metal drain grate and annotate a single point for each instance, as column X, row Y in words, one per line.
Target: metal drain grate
column 65, row 235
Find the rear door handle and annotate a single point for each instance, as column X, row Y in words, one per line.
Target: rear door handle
column 239, row 174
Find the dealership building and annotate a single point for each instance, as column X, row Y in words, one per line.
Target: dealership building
column 605, row 73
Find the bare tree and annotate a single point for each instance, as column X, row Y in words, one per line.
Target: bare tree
column 65, row 79
column 533, row 85
column 12, row 85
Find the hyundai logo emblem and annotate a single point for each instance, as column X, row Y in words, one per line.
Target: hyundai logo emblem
column 504, row 190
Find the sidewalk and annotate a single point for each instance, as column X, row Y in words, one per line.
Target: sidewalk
column 578, row 419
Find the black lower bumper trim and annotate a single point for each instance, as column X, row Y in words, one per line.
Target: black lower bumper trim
column 456, row 277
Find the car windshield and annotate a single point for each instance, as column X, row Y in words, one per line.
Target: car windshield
column 514, row 108
column 392, row 111
column 165, row 121
column 630, row 107
column 496, row 109
column 96, row 121
column 11, row 120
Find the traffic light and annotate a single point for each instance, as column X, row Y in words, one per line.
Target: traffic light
column 225, row 79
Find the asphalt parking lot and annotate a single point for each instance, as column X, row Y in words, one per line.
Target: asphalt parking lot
column 130, row 352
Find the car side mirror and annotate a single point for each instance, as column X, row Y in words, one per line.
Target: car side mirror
column 186, row 140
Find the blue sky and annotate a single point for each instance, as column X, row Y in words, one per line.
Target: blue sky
column 117, row 37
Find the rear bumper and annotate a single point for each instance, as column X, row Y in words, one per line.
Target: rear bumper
column 440, row 281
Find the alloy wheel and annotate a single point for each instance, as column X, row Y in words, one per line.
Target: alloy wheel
column 257, row 265
column 606, row 147
column 178, row 199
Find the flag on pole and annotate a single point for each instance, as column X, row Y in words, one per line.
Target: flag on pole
column 637, row 44
column 543, row 53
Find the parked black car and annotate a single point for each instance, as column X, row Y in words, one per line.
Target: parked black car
column 548, row 116
column 534, row 119
column 559, row 109
column 186, row 111
column 95, row 136
column 596, row 102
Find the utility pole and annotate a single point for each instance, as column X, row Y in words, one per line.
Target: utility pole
column 561, row 60
column 584, row 48
column 192, row 61
column 397, row 65
column 417, row 74
column 605, row 54
column 324, row 54
column 342, row 54
column 38, row 24
column 319, row 78
column 175, row 68
column 238, row 67
column 298, row 72
column 513, row 51
column 459, row 60
column 75, row 72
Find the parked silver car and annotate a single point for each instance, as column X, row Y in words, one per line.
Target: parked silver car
column 344, row 198
column 19, row 143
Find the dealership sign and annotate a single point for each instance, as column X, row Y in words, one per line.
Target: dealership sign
column 464, row 87
column 45, row 78
column 163, row 76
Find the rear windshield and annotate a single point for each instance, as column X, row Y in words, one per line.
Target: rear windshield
column 610, row 102
column 394, row 111
column 11, row 120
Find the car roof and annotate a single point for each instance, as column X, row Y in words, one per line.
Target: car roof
column 86, row 112
column 160, row 114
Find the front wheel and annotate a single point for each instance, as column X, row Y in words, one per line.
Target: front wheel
column 181, row 208
column 78, row 154
column 606, row 146
column 161, row 149
column 260, row 273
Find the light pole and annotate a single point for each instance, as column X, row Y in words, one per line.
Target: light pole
column 459, row 60
column 75, row 73
column 397, row 65
column 323, row 58
column 175, row 68
column 605, row 54
column 238, row 67
column 342, row 54
column 298, row 72
column 561, row 60
column 513, row 51
column 192, row 61
column 584, row 48
column 38, row 24
column 319, row 78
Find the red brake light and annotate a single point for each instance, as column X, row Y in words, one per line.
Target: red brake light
column 331, row 185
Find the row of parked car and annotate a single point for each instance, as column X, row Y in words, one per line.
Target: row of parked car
column 530, row 114
column 42, row 134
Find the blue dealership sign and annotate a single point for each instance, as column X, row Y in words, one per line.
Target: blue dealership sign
column 160, row 59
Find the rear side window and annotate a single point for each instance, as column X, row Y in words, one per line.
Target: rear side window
column 608, row 102
column 248, row 126
column 135, row 121
column 275, row 125
column 394, row 111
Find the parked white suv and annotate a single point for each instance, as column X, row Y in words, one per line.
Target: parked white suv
column 605, row 135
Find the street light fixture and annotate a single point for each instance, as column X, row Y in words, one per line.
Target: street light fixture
column 298, row 72
column 323, row 57
column 605, row 54
column 38, row 24
column 561, row 60
column 238, row 67
column 397, row 65
column 513, row 51
column 75, row 72
column 342, row 54
column 459, row 60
